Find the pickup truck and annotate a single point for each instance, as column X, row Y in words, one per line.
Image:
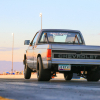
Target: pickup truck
column 63, row 51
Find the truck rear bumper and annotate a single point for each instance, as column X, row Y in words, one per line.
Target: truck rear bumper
column 75, row 61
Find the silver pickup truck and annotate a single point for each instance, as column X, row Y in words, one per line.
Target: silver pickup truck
column 61, row 50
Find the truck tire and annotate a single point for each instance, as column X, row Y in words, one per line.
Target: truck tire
column 27, row 72
column 93, row 76
column 42, row 74
column 68, row 76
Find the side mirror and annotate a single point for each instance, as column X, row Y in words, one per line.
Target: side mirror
column 26, row 42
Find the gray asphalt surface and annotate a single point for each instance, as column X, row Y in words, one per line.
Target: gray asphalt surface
column 21, row 89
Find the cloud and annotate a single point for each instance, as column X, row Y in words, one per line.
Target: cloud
column 8, row 48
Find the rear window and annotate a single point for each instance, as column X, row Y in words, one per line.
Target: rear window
column 61, row 37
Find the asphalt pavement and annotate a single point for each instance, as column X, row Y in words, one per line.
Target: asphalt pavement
column 55, row 89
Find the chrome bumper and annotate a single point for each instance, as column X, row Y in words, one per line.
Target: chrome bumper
column 75, row 61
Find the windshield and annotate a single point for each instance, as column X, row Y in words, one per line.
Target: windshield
column 61, row 37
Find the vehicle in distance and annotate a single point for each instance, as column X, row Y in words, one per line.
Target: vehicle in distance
column 61, row 50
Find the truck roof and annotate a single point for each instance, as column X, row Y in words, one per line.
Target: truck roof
column 59, row 30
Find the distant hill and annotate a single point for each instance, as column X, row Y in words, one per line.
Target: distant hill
column 6, row 66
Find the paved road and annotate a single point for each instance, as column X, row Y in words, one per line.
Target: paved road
column 21, row 89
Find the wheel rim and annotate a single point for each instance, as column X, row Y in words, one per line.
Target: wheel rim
column 37, row 73
column 66, row 77
column 24, row 69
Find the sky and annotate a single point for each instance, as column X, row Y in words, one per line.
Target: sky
column 21, row 17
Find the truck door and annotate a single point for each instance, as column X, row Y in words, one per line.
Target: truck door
column 30, row 56
column 31, row 51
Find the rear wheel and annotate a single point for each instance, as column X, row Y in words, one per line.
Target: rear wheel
column 93, row 76
column 27, row 72
column 68, row 76
column 42, row 74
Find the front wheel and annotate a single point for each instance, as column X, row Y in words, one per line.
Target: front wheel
column 27, row 72
column 68, row 76
column 42, row 74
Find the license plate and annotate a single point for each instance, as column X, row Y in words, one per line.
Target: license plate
column 64, row 67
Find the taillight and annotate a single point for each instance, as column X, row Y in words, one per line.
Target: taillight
column 48, row 54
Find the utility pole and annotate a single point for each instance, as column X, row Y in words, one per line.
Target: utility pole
column 12, row 51
column 41, row 19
